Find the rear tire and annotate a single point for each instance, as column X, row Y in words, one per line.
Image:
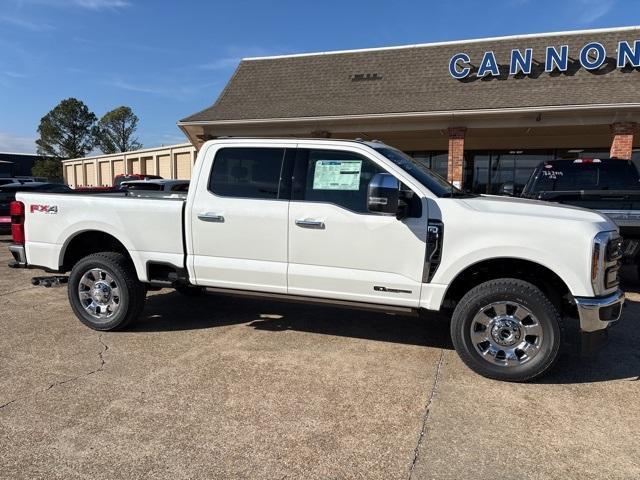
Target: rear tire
column 104, row 291
column 507, row 329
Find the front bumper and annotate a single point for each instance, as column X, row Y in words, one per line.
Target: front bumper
column 19, row 256
column 597, row 313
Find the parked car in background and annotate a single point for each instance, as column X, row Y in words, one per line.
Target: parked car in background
column 8, row 180
column 32, row 179
column 95, row 189
column 350, row 223
column 608, row 185
column 8, row 195
column 156, row 185
column 118, row 179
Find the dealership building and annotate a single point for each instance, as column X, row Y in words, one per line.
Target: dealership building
column 480, row 112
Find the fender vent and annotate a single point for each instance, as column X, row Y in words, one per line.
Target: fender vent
column 435, row 235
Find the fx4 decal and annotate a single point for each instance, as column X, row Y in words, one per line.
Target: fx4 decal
column 48, row 209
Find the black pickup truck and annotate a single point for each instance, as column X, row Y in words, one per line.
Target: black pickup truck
column 609, row 185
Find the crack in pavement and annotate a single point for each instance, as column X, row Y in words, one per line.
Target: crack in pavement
column 8, row 403
column 101, row 353
column 19, row 290
column 425, row 418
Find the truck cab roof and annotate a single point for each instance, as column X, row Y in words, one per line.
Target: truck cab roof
column 373, row 143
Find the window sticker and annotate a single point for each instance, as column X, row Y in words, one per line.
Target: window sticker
column 552, row 174
column 337, row 175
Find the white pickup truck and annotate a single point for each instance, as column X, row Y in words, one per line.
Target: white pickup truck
column 351, row 223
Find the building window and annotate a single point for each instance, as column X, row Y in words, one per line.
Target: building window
column 497, row 172
column 436, row 161
column 635, row 157
column 582, row 153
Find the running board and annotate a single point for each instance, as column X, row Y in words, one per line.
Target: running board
column 48, row 282
column 314, row 300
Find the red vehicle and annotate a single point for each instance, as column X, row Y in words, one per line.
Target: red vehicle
column 95, row 189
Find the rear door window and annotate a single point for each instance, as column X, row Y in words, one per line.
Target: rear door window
column 247, row 173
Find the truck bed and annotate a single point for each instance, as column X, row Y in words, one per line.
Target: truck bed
column 149, row 228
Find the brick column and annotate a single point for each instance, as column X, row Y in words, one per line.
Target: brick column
column 456, row 154
column 622, row 139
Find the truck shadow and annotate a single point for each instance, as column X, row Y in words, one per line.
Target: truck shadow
column 173, row 312
column 619, row 359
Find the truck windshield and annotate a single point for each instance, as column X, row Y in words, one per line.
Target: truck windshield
column 434, row 182
column 566, row 175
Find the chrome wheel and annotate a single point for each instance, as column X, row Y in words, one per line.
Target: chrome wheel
column 99, row 294
column 506, row 334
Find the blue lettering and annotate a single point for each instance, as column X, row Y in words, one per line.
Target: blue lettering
column 593, row 56
column 521, row 63
column 488, row 65
column 592, row 63
column 626, row 54
column 557, row 60
column 454, row 66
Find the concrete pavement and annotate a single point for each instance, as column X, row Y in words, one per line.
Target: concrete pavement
column 227, row 388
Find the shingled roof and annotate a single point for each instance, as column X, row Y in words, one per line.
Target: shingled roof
column 416, row 79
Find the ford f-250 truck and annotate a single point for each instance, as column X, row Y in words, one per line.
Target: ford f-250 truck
column 350, row 223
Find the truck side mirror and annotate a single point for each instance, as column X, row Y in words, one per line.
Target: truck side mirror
column 383, row 195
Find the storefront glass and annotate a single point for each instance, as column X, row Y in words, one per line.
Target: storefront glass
column 436, row 161
column 498, row 172
column 636, row 157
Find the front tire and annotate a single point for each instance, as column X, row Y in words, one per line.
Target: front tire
column 104, row 291
column 507, row 329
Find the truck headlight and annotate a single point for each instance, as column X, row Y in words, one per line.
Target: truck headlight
column 596, row 263
column 605, row 261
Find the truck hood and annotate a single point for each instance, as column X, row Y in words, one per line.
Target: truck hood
column 536, row 208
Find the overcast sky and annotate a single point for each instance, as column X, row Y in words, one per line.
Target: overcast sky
column 168, row 59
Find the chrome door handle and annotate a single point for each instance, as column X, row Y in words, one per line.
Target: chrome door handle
column 211, row 217
column 308, row 223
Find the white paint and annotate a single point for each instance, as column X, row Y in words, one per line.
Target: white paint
column 259, row 247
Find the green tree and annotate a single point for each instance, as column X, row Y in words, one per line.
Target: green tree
column 50, row 168
column 66, row 131
column 116, row 131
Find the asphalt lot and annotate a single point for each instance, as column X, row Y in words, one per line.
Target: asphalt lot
column 228, row 388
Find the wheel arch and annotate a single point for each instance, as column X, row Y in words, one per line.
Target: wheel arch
column 548, row 281
column 86, row 242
